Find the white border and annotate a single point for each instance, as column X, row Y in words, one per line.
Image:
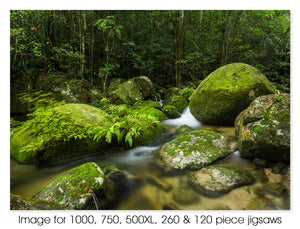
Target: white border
column 9, row 218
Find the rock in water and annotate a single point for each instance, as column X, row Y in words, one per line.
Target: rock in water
column 214, row 181
column 80, row 188
column 177, row 101
column 131, row 91
column 18, row 202
column 227, row 91
column 263, row 129
column 195, row 149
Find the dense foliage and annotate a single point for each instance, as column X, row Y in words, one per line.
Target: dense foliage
column 50, row 124
column 170, row 47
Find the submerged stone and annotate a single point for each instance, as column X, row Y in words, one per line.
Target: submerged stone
column 261, row 203
column 185, row 196
column 80, row 188
column 276, row 188
column 195, row 149
column 214, row 181
column 222, row 95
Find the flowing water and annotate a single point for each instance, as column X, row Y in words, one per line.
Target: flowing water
column 149, row 187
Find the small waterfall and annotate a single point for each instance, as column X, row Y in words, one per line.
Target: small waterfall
column 186, row 119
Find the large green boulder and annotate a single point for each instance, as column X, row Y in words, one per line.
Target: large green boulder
column 263, row 129
column 82, row 187
column 138, row 88
column 195, row 149
column 214, row 181
column 227, row 91
column 60, row 134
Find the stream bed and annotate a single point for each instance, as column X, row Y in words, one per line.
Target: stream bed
column 153, row 189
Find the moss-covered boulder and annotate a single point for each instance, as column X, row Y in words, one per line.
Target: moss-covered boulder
column 227, row 91
column 148, row 107
column 18, row 202
column 172, row 91
column 183, row 129
column 65, row 132
column 177, row 101
column 59, row 134
column 214, row 181
column 138, row 88
column 147, row 103
column 263, row 129
column 158, row 114
column 82, row 187
column 171, row 111
column 195, row 149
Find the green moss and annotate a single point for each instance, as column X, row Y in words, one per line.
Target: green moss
column 59, row 133
column 76, row 184
column 18, row 202
column 20, row 139
column 177, row 101
column 147, row 103
column 133, row 90
column 65, row 132
column 171, row 111
column 195, row 149
column 159, row 115
column 183, row 129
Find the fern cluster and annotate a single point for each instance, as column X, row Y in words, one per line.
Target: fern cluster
column 126, row 126
column 52, row 124
column 186, row 92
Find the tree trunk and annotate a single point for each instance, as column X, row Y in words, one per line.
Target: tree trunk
column 178, row 42
column 225, row 38
column 92, row 57
column 82, row 46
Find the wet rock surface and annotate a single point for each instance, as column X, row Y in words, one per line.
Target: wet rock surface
column 214, row 181
column 263, row 129
column 80, row 188
column 195, row 149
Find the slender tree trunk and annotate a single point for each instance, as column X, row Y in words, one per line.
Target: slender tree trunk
column 235, row 32
column 82, row 46
column 227, row 41
column 200, row 22
column 178, row 42
column 92, row 57
column 225, row 37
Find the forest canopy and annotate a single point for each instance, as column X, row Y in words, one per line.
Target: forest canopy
column 171, row 47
